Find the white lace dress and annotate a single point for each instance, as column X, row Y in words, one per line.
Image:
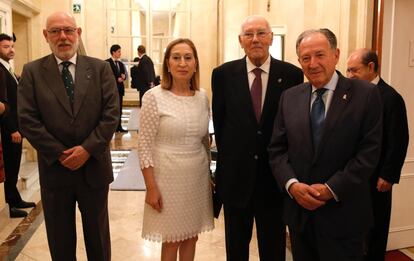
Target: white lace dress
column 171, row 140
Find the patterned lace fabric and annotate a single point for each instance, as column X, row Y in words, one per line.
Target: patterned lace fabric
column 173, row 129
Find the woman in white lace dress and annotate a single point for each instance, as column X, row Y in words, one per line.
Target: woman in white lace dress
column 173, row 152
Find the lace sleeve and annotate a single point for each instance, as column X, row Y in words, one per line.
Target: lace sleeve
column 149, row 122
column 207, row 138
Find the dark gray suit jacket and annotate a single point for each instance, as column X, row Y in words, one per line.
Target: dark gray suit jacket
column 52, row 126
column 242, row 160
column 345, row 159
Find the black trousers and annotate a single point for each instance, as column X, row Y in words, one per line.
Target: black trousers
column 314, row 245
column 141, row 94
column 12, row 154
column 59, row 205
column 271, row 231
column 378, row 235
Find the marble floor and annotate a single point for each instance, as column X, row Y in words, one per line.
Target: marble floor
column 25, row 239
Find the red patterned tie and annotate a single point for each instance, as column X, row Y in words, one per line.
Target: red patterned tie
column 256, row 92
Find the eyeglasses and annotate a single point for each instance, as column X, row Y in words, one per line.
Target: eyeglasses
column 259, row 34
column 57, row 31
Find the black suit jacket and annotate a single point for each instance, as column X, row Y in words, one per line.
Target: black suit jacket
column 143, row 75
column 395, row 135
column 345, row 159
column 8, row 85
column 241, row 140
column 117, row 73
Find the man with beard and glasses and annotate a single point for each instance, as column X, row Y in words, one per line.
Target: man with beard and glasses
column 68, row 110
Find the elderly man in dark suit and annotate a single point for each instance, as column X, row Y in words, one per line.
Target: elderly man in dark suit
column 10, row 134
column 363, row 65
column 68, row 110
column 119, row 72
column 245, row 99
column 143, row 75
column 325, row 146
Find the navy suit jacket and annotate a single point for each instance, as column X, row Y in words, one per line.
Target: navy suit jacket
column 345, row 159
column 242, row 159
column 117, row 73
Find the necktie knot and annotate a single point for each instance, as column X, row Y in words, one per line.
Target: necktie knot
column 320, row 92
column 257, row 72
column 66, row 64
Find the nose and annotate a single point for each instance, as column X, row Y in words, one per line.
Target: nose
column 182, row 61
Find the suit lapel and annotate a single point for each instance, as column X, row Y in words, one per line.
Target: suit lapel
column 82, row 79
column 303, row 108
column 340, row 99
column 241, row 81
column 274, row 85
column 54, row 82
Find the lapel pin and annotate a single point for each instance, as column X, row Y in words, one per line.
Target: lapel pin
column 88, row 76
column 279, row 80
column 344, row 97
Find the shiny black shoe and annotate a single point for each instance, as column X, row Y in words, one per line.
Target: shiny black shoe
column 17, row 213
column 24, row 204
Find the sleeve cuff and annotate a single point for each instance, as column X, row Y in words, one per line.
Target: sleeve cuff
column 333, row 193
column 289, row 183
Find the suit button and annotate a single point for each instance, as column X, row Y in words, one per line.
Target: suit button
column 256, row 157
column 259, row 133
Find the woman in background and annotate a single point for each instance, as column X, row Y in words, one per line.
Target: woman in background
column 173, row 151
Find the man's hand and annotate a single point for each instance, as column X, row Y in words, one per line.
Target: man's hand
column 325, row 193
column 306, row 196
column 74, row 158
column 383, row 185
column 16, row 137
column 2, row 108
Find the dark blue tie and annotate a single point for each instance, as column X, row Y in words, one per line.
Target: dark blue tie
column 317, row 116
column 68, row 80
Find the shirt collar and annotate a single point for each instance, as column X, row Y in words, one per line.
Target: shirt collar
column 6, row 64
column 72, row 60
column 265, row 66
column 376, row 80
column 331, row 85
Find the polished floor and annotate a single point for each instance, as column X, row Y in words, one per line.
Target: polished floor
column 25, row 239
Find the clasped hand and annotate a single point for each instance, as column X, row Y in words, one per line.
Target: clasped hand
column 310, row 197
column 74, row 158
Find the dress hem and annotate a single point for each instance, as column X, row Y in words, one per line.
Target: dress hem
column 174, row 238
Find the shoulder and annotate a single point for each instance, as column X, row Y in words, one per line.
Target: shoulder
column 231, row 66
column 35, row 64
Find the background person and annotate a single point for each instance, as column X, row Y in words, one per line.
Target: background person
column 143, row 76
column 173, row 150
column 363, row 64
column 11, row 138
column 119, row 72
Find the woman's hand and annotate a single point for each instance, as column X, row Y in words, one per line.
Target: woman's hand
column 153, row 198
